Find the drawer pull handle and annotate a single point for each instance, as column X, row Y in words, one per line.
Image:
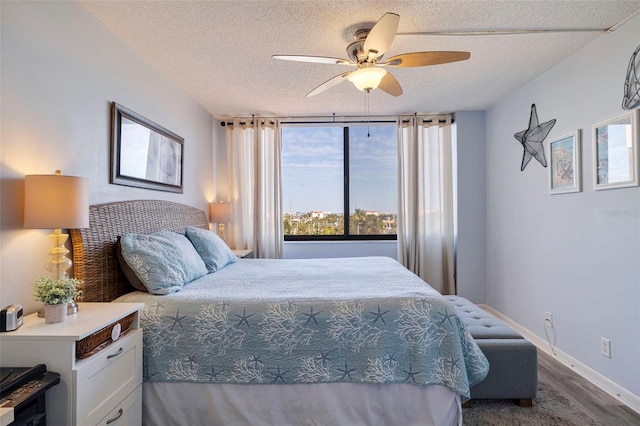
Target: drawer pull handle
column 120, row 412
column 116, row 354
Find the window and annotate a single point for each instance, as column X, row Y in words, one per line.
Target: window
column 339, row 182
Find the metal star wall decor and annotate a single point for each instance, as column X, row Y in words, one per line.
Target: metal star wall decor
column 532, row 138
column 631, row 98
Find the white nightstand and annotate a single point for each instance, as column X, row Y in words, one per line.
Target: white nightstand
column 243, row 253
column 103, row 388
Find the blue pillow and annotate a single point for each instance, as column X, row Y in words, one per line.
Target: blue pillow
column 213, row 250
column 163, row 261
column 129, row 274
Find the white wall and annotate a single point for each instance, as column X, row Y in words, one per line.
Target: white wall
column 327, row 249
column 567, row 254
column 61, row 69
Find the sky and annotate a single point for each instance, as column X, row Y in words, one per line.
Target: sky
column 312, row 169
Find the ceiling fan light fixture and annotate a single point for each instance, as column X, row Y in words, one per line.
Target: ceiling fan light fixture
column 367, row 79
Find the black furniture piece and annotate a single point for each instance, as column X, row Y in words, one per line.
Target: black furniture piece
column 23, row 389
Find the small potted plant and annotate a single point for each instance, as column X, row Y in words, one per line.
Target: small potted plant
column 55, row 293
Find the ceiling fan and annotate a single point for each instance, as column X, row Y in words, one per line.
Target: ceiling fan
column 365, row 53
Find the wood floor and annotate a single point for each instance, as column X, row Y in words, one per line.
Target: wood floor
column 600, row 405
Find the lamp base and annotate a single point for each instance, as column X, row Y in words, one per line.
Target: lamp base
column 221, row 233
column 58, row 263
column 72, row 308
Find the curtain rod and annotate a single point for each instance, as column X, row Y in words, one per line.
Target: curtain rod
column 373, row 119
column 242, row 123
column 340, row 122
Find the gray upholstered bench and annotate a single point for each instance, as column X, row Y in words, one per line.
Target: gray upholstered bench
column 513, row 360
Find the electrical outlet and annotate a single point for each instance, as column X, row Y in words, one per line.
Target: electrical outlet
column 605, row 347
column 548, row 320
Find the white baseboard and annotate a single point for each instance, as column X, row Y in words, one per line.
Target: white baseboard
column 618, row 392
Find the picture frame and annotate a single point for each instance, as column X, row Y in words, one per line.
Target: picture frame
column 565, row 171
column 143, row 153
column 615, row 152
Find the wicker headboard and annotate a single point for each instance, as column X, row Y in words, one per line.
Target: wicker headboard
column 94, row 257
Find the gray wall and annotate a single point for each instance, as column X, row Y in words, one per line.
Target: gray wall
column 471, row 206
column 61, row 68
column 567, row 254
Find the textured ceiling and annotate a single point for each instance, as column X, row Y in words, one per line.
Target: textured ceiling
column 220, row 51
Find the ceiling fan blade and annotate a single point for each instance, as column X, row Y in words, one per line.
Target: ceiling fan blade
column 421, row 59
column 329, row 84
column 381, row 35
column 314, row 59
column 390, row 85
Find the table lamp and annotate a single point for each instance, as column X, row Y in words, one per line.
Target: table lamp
column 220, row 213
column 57, row 202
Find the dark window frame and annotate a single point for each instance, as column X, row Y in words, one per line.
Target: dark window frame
column 345, row 169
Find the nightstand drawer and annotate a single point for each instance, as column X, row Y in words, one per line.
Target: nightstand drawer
column 128, row 412
column 107, row 377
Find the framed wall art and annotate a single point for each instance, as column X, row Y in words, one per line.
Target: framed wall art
column 143, row 153
column 565, row 173
column 615, row 152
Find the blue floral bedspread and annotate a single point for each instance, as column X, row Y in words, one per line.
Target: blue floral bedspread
column 366, row 320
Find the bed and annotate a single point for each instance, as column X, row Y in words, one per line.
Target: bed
column 287, row 342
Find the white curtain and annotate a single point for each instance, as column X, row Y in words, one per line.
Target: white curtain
column 255, row 185
column 425, row 211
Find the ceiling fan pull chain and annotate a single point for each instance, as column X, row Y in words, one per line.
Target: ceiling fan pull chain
column 366, row 110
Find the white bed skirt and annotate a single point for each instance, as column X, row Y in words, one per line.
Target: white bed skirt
column 300, row 404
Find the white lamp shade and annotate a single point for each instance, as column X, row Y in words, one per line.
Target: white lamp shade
column 56, row 202
column 367, row 78
column 220, row 212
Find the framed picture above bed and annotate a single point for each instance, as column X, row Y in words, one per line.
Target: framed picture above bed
column 143, row 153
column 615, row 152
column 565, row 173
